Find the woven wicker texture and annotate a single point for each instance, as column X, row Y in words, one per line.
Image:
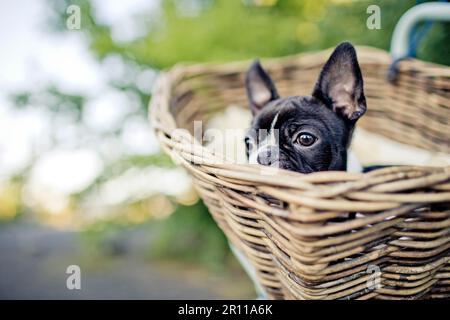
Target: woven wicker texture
column 325, row 235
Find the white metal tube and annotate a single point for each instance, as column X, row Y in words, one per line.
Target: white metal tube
column 436, row 11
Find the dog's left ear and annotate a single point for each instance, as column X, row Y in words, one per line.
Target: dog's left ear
column 340, row 84
column 260, row 88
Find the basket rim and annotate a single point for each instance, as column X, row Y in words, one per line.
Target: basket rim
column 376, row 54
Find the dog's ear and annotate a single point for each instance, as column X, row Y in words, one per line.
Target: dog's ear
column 340, row 84
column 260, row 88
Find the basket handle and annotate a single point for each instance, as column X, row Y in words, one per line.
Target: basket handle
column 400, row 42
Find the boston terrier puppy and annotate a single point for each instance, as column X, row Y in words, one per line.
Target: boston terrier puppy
column 306, row 133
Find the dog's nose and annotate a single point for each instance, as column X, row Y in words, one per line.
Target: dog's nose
column 269, row 156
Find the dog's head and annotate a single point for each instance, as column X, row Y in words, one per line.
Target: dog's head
column 306, row 133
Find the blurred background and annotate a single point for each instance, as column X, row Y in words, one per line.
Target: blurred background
column 82, row 178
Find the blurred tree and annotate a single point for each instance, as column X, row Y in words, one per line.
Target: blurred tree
column 222, row 30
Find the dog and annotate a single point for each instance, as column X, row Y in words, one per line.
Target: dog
column 306, row 133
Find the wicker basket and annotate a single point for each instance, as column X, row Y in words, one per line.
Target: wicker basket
column 307, row 246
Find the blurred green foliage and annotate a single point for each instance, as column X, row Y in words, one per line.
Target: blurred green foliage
column 190, row 235
column 223, row 30
column 116, row 167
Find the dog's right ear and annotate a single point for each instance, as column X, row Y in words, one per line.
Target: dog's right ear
column 340, row 85
column 260, row 88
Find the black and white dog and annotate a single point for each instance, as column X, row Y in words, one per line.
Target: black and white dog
column 306, row 133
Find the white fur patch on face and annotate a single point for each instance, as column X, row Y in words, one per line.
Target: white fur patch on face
column 269, row 141
column 272, row 138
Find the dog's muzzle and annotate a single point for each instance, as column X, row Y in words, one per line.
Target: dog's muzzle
column 268, row 156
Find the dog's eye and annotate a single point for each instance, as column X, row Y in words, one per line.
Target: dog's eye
column 306, row 139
